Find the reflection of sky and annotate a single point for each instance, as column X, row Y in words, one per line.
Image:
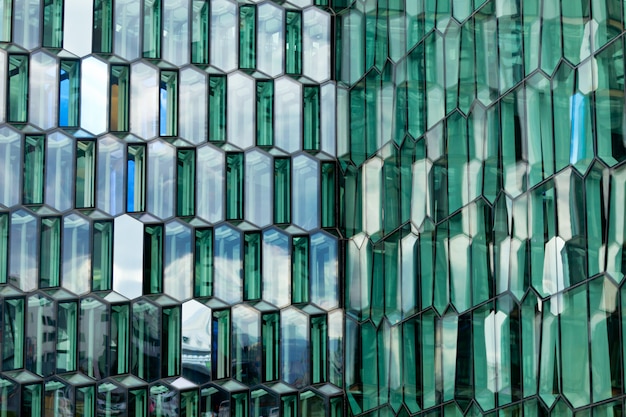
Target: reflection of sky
column 64, row 98
column 128, row 256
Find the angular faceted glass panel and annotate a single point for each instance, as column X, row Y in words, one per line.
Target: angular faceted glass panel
column 119, row 96
column 85, row 174
column 34, row 149
column 69, row 93
column 103, row 26
column 293, row 42
column 203, row 283
column 102, row 252
column 6, row 13
column 52, row 24
column 264, row 113
column 136, row 178
column 17, row 87
column 247, row 36
column 186, row 173
column 153, row 259
column 50, row 252
column 168, row 104
column 152, row 24
column 200, row 32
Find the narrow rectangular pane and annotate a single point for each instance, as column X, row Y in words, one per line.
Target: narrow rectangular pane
column 282, row 190
column 4, row 247
column 136, row 178
column 252, row 266
column 33, row 169
column 247, row 36
column 85, row 173
column 119, row 98
column 186, row 174
column 49, row 258
column 170, row 366
column 270, row 335
column 234, row 186
column 102, row 261
column 152, row 29
column 264, row 113
column 102, row 26
column 153, row 259
column 200, row 32
column 311, row 122
column 220, row 352
column 328, row 194
column 69, row 93
column 300, row 270
column 6, row 12
column 217, row 108
column 168, row 104
column 17, row 97
column 204, row 263
column 53, row 24
column 319, row 336
column 293, row 43
column 67, row 336
column 13, row 334
column 120, row 338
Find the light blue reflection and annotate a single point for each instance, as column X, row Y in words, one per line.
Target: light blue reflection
column 276, row 268
column 228, row 264
column 323, row 271
column 178, row 274
column 76, row 254
column 294, row 347
column 305, row 192
column 23, row 268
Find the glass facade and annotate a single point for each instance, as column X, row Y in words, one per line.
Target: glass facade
column 255, row 208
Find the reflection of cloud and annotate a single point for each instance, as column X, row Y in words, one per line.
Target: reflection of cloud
column 144, row 101
column 94, row 95
column 77, row 27
column 228, row 278
column 128, row 257
column 75, row 271
column 178, row 276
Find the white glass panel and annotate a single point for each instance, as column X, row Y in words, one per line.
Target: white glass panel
column 288, row 114
column 241, row 100
column 77, row 27
column 127, row 28
column 161, row 179
column 270, row 39
column 178, row 274
column 94, row 98
column 210, row 184
column 176, row 31
column 43, row 90
column 316, row 44
column 144, row 100
column 59, row 171
column 224, row 35
column 193, row 106
column 258, row 188
column 128, row 256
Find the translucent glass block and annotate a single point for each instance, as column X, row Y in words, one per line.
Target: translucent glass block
column 144, row 100
column 85, row 174
column 110, row 165
column 76, row 255
column 193, row 105
column 6, row 14
column 276, row 265
column 305, row 192
column 13, row 311
column 200, row 32
column 323, row 273
column 59, row 171
column 300, row 270
column 217, row 108
column 44, row 92
column 94, row 100
column 175, row 40
column 246, row 345
column 103, row 26
column 39, row 307
column 295, row 365
column 168, row 104
column 270, row 336
column 240, row 112
column 220, row 355
column 11, row 168
column 23, row 251
column 171, row 326
column 186, row 173
column 203, row 284
column 210, row 198
column 234, row 186
column 50, row 252
column 247, row 36
column 52, row 24
column 119, row 98
column 34, row 149
column 127, row 35
column 282, row 190
column 152, row 28
column 227, row 259
column 26, row 30
column 257, row 188
column 17, row 86
column 178, row 262
column 264, row 113
column 223, row 34
column 293, row 42
column 128, row 268
column 153, row 259
column 69, row 93
column 4, row 247
column 288, row 114
column 311, row 122
column 136, row 178
column 270, row 41
column 102, row 249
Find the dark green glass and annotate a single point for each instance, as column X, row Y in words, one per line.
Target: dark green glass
column 282, row 190
column 234, row 186
column 119, row 97
column 168, row 109
column 328, row 187
column 102, row 261
column 200, row 32
column 85, row 173
column 300, row 270
column 50, row 252
column 247, row 36
column 34, row 149
column 217, row 108
column 4, row 247
column 67, row 336
column 53, row 24
column 152, row 29
column 270, row 336
column 252, row 266
column 102, row 41
column 265, row 113
column 203, row 263
column 171, row 348
column 186, row 167
column 293, row 42
column 13, row 331
column 319, row 337
column 220, row 357
column 153, row 259
column 311, row 118
column 17, row 87
column 120, row 339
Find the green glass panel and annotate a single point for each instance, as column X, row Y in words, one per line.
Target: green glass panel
column 264, row 113
column 69, row 93
column 311, row 119
column 147, row 341
column 6, row 13
column 153, row 259
column 86, row 401
column 204, row 263
column 102, row 261
column 200, row 32
column 32, row 400
column 411, row 365
column 85, row 174
column 539, row 127
column 415, row 92
column 53, row 24
column 293, row 42
column 300, row 270
column 430, row 351
column 220, row 353
column 270, row 335
column 282, row 190
column 152, row 29
column 328, row 188
column 119, row 97
column 185, row 178
column 247, row 36
column 574, row 346
column 510, row 48
column 485, row 26
column 217, row 108
column 34, row 150
column 4, row 247
column 252, row 266
column 452, row 47
column 67, row 336
column 551, row 39
column 514, row 165
column 319, row 337
column 574, row 16
column 138, row 403
column 40, row 354
column 120, row 339
column 13, row 321
column 136, row 178
column 17, row 89
column 168, row 104
column 171, row 326
column 357, row 124
column 50, row 252
column 94, row 332
column 102, row 26
column 234, row 186
column 596, row 216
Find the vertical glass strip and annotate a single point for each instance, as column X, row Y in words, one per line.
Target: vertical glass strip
column 4, row 248
column 69, row 93
column 119, row 97
column 311, row 122
column 67, row 336
column 300, row 270
column 252, row 266
column 32, row 400
column 204, row 263
column 234, row 186
column 247, row 36
column 136, row 178
column 270, row 335
column 264, row 113
column 293, row 43
column 328, row 194
column 53, row 24
column 102, row 26
column 17, row 97
column 13, row 334
column 170, row 365
column 186, row 174
column 102, row 252
column 220, row 352
column 200, row 32
column 85, row 173
column 152, row 29
column 6, row 14
column 33, row 169
column 217, row 108
column 49, row 257
column 153, row 259
column 168, row 107
column 282, row 190
column 319, row 337
column 120, row 340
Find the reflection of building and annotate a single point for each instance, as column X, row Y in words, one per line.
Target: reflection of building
column 312, row 207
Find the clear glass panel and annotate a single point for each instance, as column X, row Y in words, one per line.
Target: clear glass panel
column 17, row 107
column 40, row 325
column 294, row 348
column 44, row 80
column 228, row 256
column 67, row 336
column 305, row 192
column 178, row 273
column 300, row 270
column 176, row 31
column 127, row 29
column 264, row 113
column 270, row 39
column 128, row 266
column 50, row 252
column 26, row 30
column 52, row 24
column 316, row 50
column 252, row 266
column 76, row 254
column 217, row 108
column 59, row 188
column 4, row 247
column 258, row 186
column 311, row 119
column 10, row 167
column 193, row 106
column 13, row 334
column 161, row 190
column 102, row 260
column 210, row 175
column 246, row 345
column 240, row 111
column 110, row 177
column 85, row 173
column 168, row 103
column 152, row 29
column 153, row 259
column 144, row 100
column 136, row 178
column 95, row 331
column 224, row 34
column 288, row 114
column 323, row 271
column 69, row 92
column 34, row 148
column 276, row 268
column 146, row 344
column 293, row 43
column 119, row 95
column 185, row 176
column 220, row 345
column 234, row 186
column 203, row 263
column 23, row 249
column 6, row 14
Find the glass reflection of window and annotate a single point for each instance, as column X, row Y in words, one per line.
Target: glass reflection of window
column 85, row 173
column 50, row 252
column 217, row 108
column 6, row 11
column 119, row 98
column 152, row 29
column 186, row 174
column 200, row 32
column 102, row 26
column 153, row 259
column 136, row 178
column 33, row 169
column 76, row 254
column 247, row 36
column 13, row 334
column 69, row 93
column 40, row 335
column 53, row 23
column 110, row 177
column 324, row 270
column 17, row 97
column 168, row 103
column 294, row 348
